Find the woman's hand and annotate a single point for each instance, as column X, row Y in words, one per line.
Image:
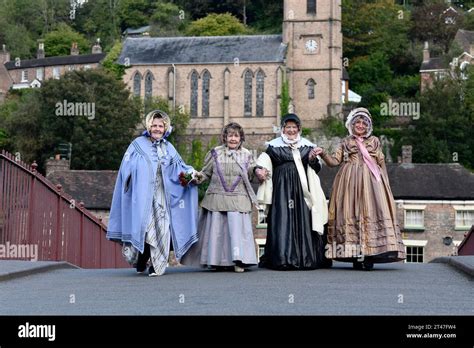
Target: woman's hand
column 262, row 174
column 198, row 177
column 315, row 152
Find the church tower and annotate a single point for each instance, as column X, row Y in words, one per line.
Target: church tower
column 312, row 32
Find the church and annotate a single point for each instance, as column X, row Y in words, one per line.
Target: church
column 222, row 79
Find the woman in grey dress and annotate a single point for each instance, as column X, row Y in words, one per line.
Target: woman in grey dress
column 225, row 226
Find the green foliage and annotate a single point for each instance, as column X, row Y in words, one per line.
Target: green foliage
column 217, row 25
column 109, row 62
column 134, row 13
column 305, row 131
column 374, row 27
column 59, row 41
column 98, row 142
column 334, row 127
column 195, row 158
column 445, row 127
column 99, row 19
column 285, row 97
column 168, row 20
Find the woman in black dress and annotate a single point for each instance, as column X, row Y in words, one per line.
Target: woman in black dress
column 292, row 244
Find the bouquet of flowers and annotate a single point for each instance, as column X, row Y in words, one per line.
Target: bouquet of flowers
column 185, row 178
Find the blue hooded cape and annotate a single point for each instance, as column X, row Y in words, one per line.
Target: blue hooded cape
column 133, row 195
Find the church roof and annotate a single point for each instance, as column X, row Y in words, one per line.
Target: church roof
column 203, row 50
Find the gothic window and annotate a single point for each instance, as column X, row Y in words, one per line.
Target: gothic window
column 260, row 92
column 137, row 81
column 206, row 80
column 148, row 85
column 310, row 85
column 248, row 93
column 311, row 7
column 194, row 93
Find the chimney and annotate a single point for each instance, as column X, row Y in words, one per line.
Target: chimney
column 426, row 52
column 406, row 153
column 40, row 52
column 57, row 164
column 4, row 55
column 74, row 49
column 97, row 48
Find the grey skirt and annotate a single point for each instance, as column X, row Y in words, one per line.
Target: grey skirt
column 225, row 239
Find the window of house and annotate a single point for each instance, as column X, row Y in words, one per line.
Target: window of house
column 261, row 246
column 148, row 85
column 311, row 6
column 56, row 73
column 464, row 219
column 260, row 92
column 248, row 93
column 414, row 218
column 310, row 85
column 206, row 81
column 24, row 76
column 194, row 93
column 261, row 219
column 39, row 74
column 414, row 254
column 87, row 67
column 137, row 82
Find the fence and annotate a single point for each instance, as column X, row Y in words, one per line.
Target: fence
column 34, row 212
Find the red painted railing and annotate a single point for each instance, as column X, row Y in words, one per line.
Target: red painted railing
column 36, row 213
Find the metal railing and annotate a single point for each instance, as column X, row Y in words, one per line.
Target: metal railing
column 36, row 213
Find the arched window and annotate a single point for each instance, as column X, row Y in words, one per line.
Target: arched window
column 260, row 92
column 310, row 83
column 248, row 76
column 137, row 83
column 206, row 81
column 194, row 93
column 149, row 85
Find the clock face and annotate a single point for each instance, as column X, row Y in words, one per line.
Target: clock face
column 311, row 45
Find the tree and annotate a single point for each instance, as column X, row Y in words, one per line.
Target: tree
column 134, row 13
column 443, row 133
column 59, row 41
column 56, row 114
column 99, row 19
column 168, row 20
column 431, row 23
column 374, row 27
column 109, row 62
column 217, row 25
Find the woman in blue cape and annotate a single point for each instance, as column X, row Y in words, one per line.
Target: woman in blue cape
column 151, row 211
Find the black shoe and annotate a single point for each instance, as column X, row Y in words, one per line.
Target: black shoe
column 143, row 259
column 368, row 265
column 151, row 272
column 357, row 265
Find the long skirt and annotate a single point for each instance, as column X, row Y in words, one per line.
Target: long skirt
column 225, row 239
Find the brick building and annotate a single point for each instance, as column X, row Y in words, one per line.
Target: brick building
column 239, row 78
column 30, row 73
